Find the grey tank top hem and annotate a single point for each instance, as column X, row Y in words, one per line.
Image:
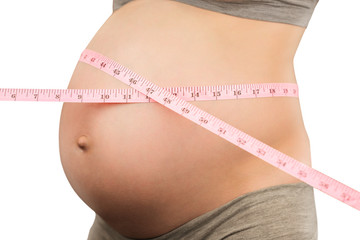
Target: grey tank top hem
column 295, row 12
column 281, row 212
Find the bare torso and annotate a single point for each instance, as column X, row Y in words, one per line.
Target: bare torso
column 140, row 171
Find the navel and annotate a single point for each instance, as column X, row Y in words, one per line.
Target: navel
column 83, row 142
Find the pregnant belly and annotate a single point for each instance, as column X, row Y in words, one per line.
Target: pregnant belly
column 145, row 169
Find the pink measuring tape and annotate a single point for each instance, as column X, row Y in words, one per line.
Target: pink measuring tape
column 177, row 99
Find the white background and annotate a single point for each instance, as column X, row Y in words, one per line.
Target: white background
column 40, row 43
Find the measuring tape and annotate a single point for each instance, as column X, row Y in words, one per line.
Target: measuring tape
column 177, row 99
column 130, row 95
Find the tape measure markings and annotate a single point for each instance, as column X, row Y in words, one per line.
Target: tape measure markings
column 145, row 91
column 130, row 95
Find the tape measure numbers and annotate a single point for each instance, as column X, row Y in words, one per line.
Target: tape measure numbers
column 178, row 98
column 193, row 93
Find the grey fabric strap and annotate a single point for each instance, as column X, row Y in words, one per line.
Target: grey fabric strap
column 282, row 212
column 295, row 12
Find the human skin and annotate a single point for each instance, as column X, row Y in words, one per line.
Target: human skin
column 143, row 168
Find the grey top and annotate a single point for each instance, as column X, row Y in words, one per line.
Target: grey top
column 295, row 12
column 281, row 212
